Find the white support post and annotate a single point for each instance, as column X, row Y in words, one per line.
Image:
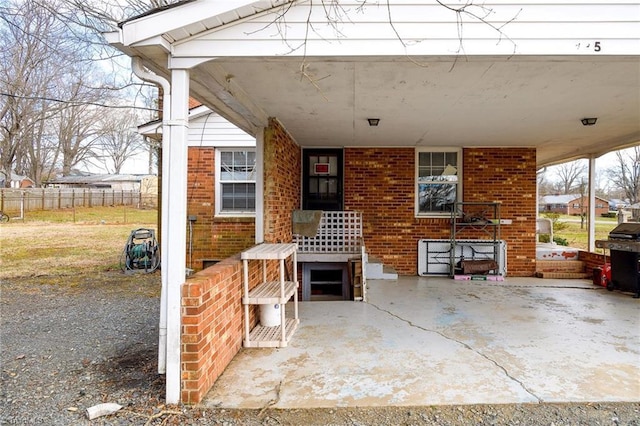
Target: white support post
column 245, row 283
column 283, row 321
column 592, row 205
column 295, row 279
column 174, row 228
column 259, row 222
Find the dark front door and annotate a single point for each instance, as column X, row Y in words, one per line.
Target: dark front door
column 322, row 179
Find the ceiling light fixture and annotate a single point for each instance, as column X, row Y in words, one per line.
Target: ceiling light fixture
column 589, row 121
column 373, row 121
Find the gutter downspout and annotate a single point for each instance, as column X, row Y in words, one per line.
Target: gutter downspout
column 140, row 72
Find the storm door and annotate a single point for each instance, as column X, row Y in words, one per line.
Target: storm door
column 322, row 179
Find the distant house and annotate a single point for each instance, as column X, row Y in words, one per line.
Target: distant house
column 632, row 212
column 123, row 182
column 17, row 181
column 617, row 204
column 571, row 204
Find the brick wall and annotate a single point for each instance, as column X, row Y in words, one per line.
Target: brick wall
column 211, row 328
column 212, row 312
column 379, row 182
column 591, row 260
column 508, row 176
column 581, row 206
column 214, row 238
column 212, row 322
column 282, row 180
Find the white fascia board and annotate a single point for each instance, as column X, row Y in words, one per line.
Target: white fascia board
column 150, row 128
column 155, row 127
column 113, row 37
column 391, row 47
column 171, row 19
column 199, row 111
column 188, row 63
column 157, row 41
column 221, row 144
column 424, row 28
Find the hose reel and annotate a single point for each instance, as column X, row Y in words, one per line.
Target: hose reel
column 141, row 252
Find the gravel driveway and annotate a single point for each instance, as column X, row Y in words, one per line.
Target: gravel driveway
column 69, row 343
column 74, row 342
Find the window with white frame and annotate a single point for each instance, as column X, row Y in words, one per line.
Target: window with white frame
column 438, row 181
column 235, row 182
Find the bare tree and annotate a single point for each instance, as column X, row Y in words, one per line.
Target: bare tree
column 625, row 175
column 40, row 153
column 120, row 139
column 583, row 203
column 27, row 62
column 569, row 176
column 545, row 186
column 52, row 89
column 76, row 124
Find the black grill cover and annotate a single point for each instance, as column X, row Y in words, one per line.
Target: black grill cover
column 626, row 231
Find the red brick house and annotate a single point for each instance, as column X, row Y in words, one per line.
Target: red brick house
column 571, row 204
column 396, row 122
column 216, row 232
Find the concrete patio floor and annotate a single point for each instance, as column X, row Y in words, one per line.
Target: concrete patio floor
column 434, row 341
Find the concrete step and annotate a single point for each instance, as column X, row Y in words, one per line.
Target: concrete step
column 562, row 275
column 560, row 269
column 564, row 266
column 376, row 270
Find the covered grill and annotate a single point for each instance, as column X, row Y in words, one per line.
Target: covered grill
column 624, row 247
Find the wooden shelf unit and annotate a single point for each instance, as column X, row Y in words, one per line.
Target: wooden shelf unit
column 270, row 292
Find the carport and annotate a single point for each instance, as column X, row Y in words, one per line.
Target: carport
column 518, row 75
column 430, row 341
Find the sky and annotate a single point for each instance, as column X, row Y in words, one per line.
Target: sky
column 137, row 165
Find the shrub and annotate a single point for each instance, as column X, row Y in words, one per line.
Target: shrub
column 610, row 214
column 555, row 222
column 560, row 241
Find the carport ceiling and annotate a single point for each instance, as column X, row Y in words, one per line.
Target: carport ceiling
column 431, row 102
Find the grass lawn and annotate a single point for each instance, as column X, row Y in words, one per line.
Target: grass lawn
column 569, row 228
column 51, row 243
column 91, row 215
column 69, row 241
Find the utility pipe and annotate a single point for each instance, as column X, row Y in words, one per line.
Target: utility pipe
column 144, row 75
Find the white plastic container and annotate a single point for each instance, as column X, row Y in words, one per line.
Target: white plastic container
column 270, row 315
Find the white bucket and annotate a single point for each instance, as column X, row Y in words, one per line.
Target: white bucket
column 270, row 315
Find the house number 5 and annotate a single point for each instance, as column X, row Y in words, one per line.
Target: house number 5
column 596, row 46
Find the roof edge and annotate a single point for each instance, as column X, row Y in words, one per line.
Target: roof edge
column 154, row 11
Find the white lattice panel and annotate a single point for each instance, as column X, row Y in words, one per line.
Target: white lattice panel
column 338, row 232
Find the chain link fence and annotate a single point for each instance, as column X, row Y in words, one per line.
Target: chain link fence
column 19, row 201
